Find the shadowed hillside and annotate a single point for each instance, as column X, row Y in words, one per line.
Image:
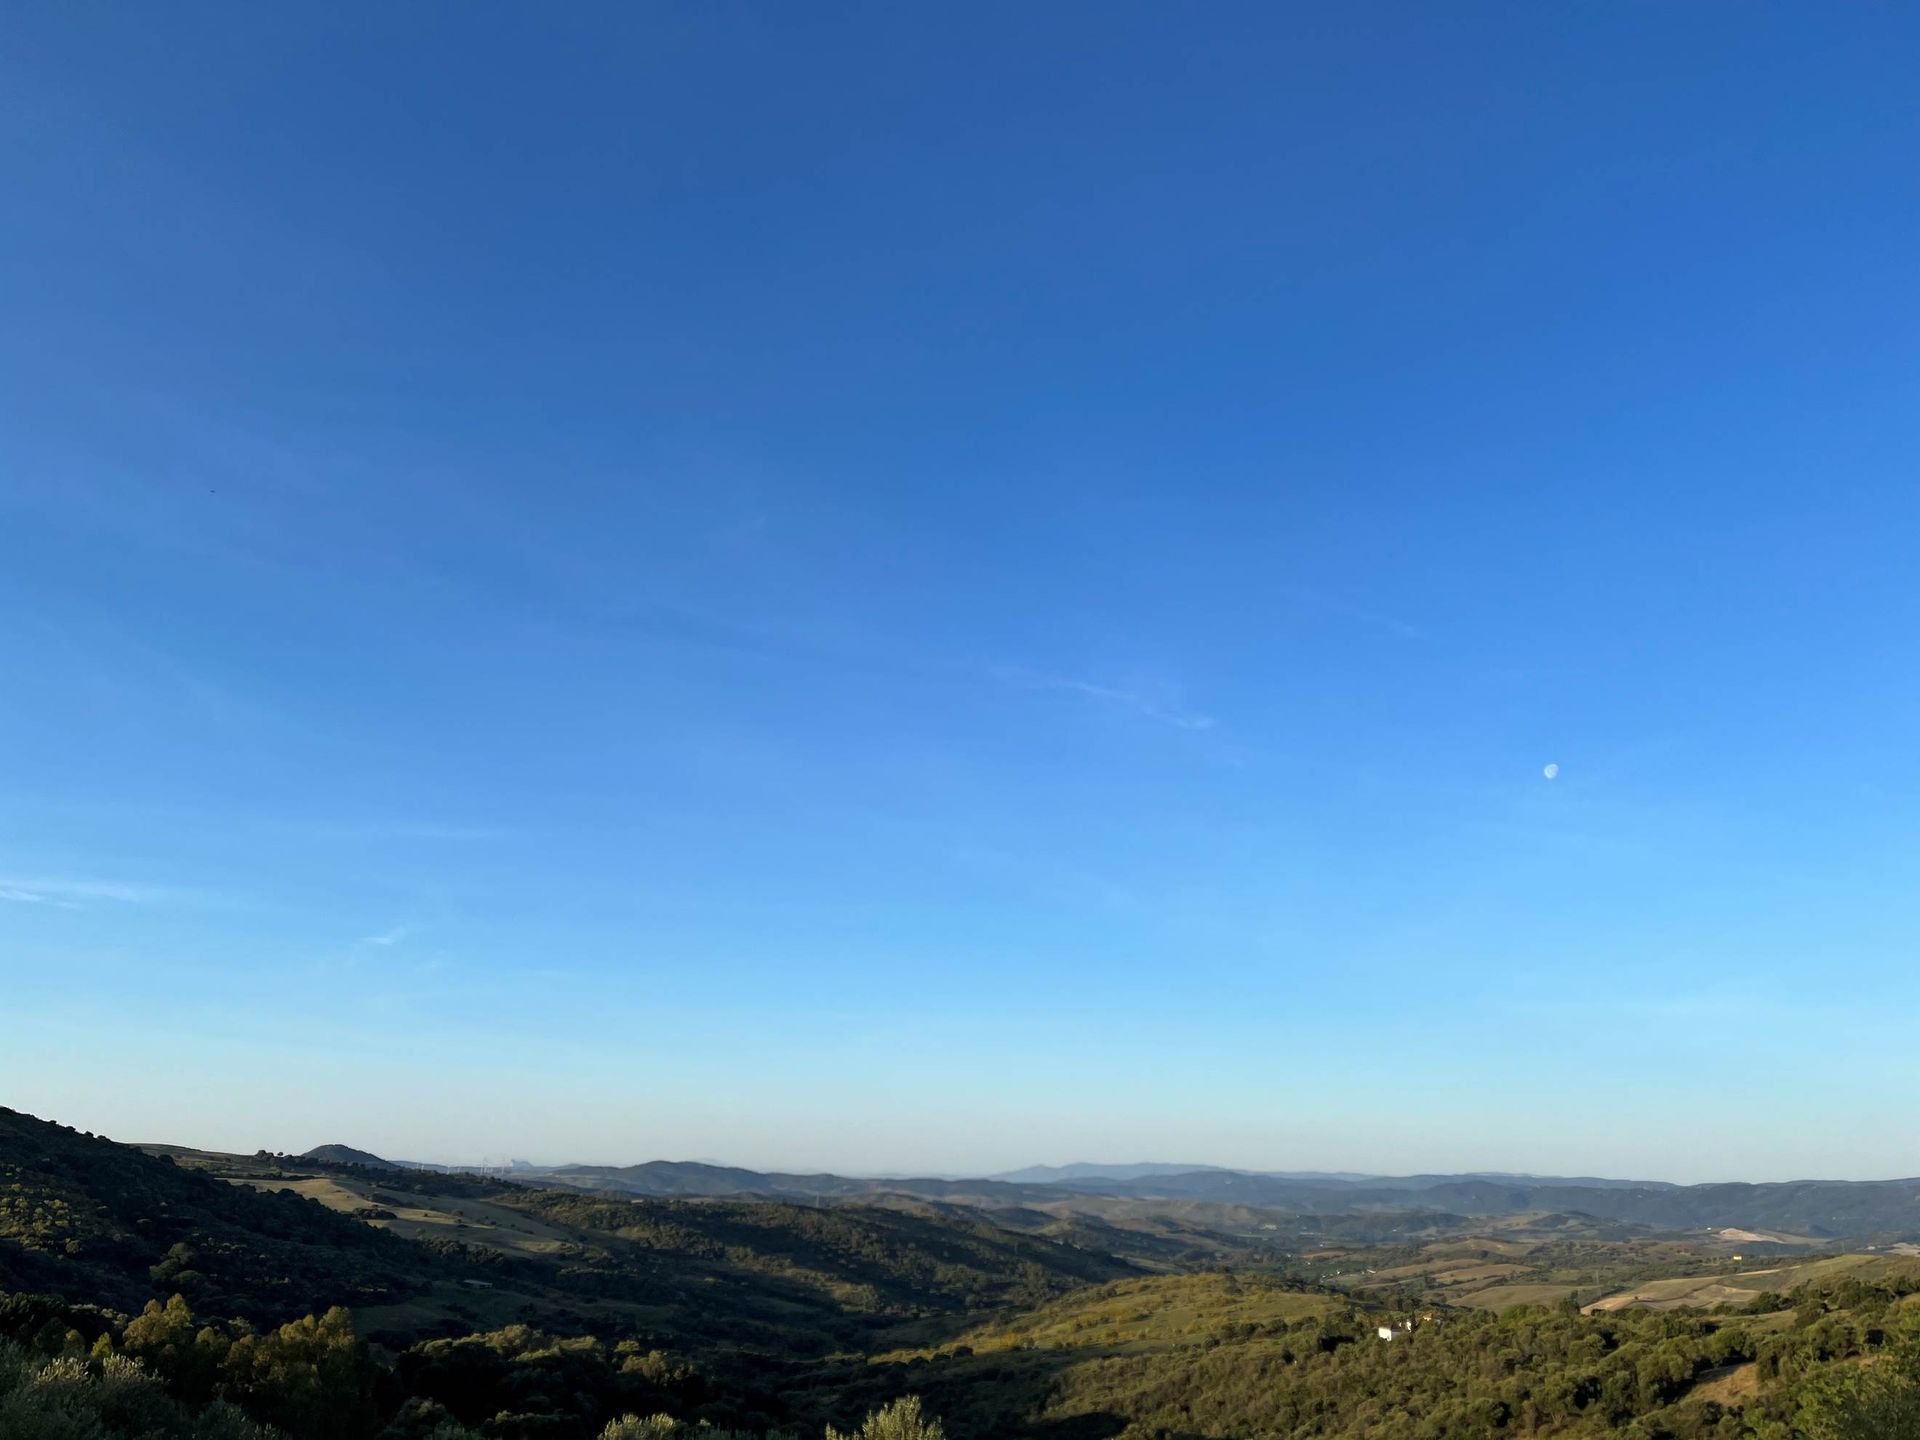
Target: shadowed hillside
column 85, row 1218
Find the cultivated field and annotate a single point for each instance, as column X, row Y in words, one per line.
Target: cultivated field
column 1740, row 1287
column 426, row 1217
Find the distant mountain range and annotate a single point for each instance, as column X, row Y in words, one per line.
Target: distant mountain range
column 1146, row 1170
column 1082, row 1170
column 1812, row 1208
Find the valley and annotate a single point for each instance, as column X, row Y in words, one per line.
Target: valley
column 1028, row 1308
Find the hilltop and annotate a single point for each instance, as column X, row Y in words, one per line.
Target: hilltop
column 347, row 1155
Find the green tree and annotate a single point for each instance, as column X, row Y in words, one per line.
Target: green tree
column 1868, row 1402
column 312, row 1378
column 902, row 1420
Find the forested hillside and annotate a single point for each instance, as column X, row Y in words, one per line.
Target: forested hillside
column 224, row 1298
column 91, row 1220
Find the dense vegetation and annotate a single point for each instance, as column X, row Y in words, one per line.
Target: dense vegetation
column 869, row 1259
column 85, row 1218
column 1526, row 1371
column 147, row 1297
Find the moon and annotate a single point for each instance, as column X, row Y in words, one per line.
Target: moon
column 1551, row 771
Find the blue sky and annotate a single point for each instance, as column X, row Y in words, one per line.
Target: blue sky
column 893, row 588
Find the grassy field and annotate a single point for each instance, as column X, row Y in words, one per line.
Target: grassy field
column 1731, row 1385
column 1480, row 1249
column 1740, row 1286
column 1490, row 1273
column 1155, row 1312
column 1494, row 1273
column 426, row 1217
column 1500, row 1297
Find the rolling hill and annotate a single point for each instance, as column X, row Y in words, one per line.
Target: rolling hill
column 1823, row 1208
column 422, row 1252
column 538, row 1312
column 85, row 1218
column 1886, row 1210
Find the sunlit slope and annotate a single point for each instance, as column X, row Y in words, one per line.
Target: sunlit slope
column 1157, row 1312
column 1744, row 1284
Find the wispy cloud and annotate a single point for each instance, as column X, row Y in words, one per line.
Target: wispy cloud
column 390, row 937
column 1152, row 706
column 75, row 892
column 15, row 896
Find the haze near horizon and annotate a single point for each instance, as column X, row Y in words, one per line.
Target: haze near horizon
column 889, row 591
